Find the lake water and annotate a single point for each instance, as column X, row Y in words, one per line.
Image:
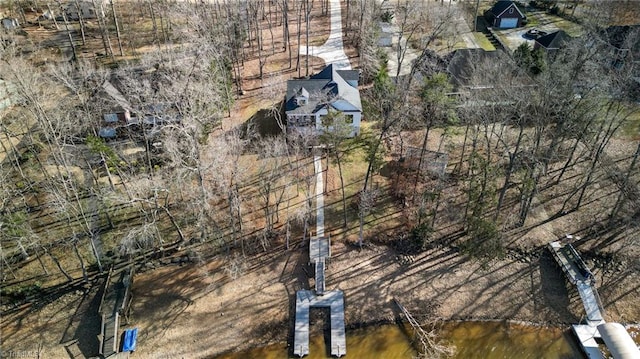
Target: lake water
column 482, row 340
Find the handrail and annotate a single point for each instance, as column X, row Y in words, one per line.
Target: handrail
column 104, row 292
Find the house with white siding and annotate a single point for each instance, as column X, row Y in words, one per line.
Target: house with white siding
column 309, row 100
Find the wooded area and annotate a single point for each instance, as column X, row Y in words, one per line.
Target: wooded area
column 195, row 178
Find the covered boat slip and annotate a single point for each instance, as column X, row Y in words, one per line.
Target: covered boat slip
column 614, row 336
column 618, row 341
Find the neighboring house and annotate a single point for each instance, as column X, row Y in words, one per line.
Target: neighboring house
column 624, row 43
column 9, row 23
column 505, row 15
column 120, row 118
column 467, row 69
column 120, row 111
column 85, row 9
column 159, row 114
column 387, row 34
column 7, row 94
column 552, row 42
column 309, row 100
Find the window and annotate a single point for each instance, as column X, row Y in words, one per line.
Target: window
column 348, row 119
column 511, row 11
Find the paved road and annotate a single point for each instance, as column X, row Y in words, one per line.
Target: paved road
column 332, row 52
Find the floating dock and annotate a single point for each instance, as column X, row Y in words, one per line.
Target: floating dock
column 334, row 300
column 319, row 251
column 588, row 337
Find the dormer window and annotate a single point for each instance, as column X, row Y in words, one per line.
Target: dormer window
column 302, row 97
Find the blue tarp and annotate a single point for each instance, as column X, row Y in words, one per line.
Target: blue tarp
column 129, row 342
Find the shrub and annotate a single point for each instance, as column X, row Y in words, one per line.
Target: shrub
column 20, row 293
column 484, row 242
column 420, row 236
column 386, row 16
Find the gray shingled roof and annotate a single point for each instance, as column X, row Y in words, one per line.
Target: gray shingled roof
column 554, row 40
column 501, row 6
column 464, row 63
column 329, row 84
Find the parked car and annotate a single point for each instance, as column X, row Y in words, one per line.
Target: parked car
column 534, row 34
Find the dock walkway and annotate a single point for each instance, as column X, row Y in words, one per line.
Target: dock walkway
column 319, row 251
column 114, row 302
column 578, row 274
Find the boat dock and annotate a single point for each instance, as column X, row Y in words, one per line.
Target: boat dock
column 334, row 300
column 319, row 251
column 589, row 336
column 115, row 302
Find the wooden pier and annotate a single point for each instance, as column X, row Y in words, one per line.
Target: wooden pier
column 319, row 251
column 114, row 304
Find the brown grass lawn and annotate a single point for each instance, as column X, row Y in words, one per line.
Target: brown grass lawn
column 226, row 301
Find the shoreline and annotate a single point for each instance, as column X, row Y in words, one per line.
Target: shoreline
column 178, row 307
column 440, row 324
column 439, row 285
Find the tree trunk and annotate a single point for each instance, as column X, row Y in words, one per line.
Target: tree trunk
column 361, row 230
column 308, row 13
column 507, row 177
column 39, row 257
column 605, row 140
column 422, row 151
column 464, row 146
column 622, row 196
column 298, row 66
column 115, row 21
column 373, row 157
column 53, row 17
column 470, row 173
column 57, row 262
column 154, row 24
column 104, row 31
column 6, row 265
column 85, row 277
column 81, row 20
